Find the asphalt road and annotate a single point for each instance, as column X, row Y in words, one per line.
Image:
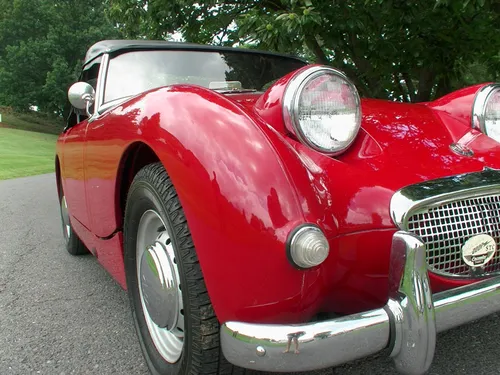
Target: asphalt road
column 64, row 315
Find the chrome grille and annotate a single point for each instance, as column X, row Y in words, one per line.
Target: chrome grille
column 445, row 228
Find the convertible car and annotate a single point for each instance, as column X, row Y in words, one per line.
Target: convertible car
column 261, row 215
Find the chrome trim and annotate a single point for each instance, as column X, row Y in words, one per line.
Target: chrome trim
column 446, row 229
column 81, row 95
column 407, row 201
column 479, row 106
column 101, row 82
column 407, row 325
column 327, row 343
column 113, row 104
column 426, row 196
column 290, row 104
column 461, row 149
column 159, row 280
column 66, row 224
column 411, row 307
column 162, row 304
column 459, row 306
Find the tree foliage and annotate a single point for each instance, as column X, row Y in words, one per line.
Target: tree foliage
column 41, row 46
column 396, row 49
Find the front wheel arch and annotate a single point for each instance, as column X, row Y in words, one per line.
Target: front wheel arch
column 136, row 156
column 152, row 189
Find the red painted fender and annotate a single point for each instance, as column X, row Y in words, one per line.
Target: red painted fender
column 238, row 197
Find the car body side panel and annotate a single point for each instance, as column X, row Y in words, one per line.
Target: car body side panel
column 72, row 170
column 239, row 203
column 104, row 148
column 108, row 252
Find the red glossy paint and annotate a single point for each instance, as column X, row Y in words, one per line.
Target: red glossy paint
column 245, row 183
column 108, row 252
column 458, row 104
column 74, row 174
column 270, row 105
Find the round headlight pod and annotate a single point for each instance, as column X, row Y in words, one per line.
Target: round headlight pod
column 307, row 246
column 486, row 111
column 322, row 108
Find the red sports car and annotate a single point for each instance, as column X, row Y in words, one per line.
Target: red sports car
column 261, row 215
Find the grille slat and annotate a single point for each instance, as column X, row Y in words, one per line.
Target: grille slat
column 444, row 230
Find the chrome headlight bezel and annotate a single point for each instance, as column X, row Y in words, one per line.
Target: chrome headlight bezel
column 479, row 106
column 291, row 100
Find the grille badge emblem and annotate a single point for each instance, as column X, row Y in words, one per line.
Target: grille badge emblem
column 478, row 250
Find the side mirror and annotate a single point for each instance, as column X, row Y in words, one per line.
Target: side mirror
column 81, row 95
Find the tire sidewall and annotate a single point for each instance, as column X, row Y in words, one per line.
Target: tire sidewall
column 73, row 244
column 142, row 197
column 67, row 240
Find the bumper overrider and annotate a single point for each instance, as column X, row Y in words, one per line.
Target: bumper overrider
column 406, row 327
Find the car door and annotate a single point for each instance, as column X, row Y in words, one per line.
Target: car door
column 73, row 172
column 102, row 155
column 103, row 152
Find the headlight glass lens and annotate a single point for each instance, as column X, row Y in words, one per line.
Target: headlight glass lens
column 492, row 115
column 325, row 110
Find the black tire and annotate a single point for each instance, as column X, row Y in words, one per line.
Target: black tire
column 152, row 189
column 72, row 242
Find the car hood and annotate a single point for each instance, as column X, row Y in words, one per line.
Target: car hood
column 419, row 143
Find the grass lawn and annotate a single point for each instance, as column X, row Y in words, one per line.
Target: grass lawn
column 25, row 153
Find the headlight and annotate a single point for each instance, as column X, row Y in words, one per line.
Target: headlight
column 322, row 108
column 307, row 246
column 486, row 111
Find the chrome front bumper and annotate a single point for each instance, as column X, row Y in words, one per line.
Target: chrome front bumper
column 406, row 326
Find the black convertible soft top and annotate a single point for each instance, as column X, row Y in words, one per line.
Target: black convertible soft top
column 122, row 45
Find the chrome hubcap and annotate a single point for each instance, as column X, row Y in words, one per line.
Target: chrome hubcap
column 65, row 219
column 159, row 286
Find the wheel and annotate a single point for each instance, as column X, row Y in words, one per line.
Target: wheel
column 173, row 316
column 73, row 244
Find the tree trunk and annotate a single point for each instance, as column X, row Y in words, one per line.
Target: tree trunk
column 399, row 87
column 316, row 49
column 410, row 86
column 444, row 86
column 425, row 84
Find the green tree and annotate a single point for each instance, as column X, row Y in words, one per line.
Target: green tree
column 397, row 49
column 42, row 44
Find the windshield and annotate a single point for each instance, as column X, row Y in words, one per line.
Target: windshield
column 134, row 72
